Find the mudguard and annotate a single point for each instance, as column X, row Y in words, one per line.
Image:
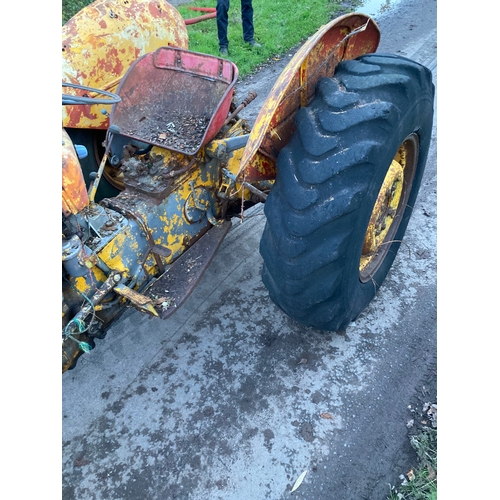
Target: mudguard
column 74, row 192
column 346, row 37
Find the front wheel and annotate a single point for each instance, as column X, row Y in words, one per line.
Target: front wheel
column 345, row 189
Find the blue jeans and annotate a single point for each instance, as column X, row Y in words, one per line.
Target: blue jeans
column 246, row 20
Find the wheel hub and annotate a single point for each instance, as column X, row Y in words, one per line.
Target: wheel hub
column 389, row 208
column 385, row 209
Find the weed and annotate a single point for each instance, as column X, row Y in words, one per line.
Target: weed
column 420, row 483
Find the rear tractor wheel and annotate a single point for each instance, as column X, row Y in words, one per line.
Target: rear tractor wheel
column 111, row 182
column 345, row 189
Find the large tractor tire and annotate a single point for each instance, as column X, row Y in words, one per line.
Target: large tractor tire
column 345, row 189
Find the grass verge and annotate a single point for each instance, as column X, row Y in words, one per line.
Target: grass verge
column 279, row 26
column 420, row 483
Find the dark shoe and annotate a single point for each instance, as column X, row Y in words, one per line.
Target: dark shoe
column 223, row 51
column 253, row 43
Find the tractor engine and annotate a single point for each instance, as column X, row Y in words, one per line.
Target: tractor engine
column 113, row 250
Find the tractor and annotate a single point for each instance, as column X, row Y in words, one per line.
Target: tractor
column 156, row 161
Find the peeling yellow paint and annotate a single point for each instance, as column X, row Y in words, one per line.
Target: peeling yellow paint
column 82, row 285
column 112, row 254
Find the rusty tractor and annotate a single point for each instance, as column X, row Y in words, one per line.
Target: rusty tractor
column 156, row 161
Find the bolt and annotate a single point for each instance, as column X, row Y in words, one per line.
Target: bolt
column 117, row 278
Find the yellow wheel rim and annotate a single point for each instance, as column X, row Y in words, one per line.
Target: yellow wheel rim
column 110, row 173
column 389, row 208
column 114, row 177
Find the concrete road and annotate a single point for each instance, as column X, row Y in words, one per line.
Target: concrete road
column 224, row 400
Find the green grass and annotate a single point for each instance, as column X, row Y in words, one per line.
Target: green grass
column 279, row 26
column 71, row 7
column 423, row 483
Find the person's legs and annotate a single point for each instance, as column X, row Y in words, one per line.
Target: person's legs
column 222, row 20
column 247, row 20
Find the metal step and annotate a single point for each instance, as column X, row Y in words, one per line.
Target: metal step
column 175, row 285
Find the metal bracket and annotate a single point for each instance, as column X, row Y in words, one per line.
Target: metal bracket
column 141, row 302
column 199, row 204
